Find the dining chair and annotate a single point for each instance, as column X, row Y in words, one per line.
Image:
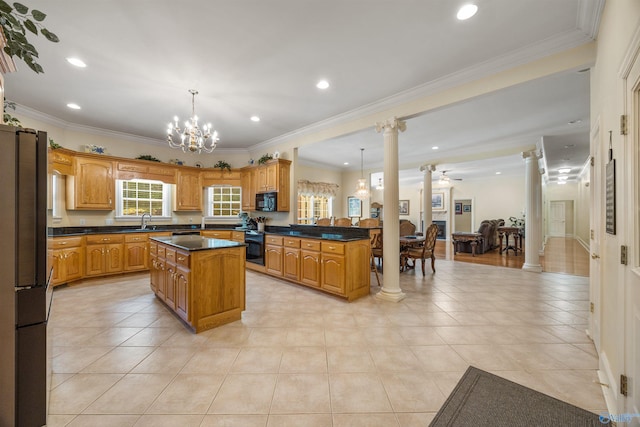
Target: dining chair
column 373, row 238
column 324, row 221
column 369, row 222
column 376, row 248
column 427, row 250
column 342, row 222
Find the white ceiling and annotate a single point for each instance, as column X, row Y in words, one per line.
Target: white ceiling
column 249, row 57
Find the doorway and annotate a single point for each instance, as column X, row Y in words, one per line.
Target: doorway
column 561, row 218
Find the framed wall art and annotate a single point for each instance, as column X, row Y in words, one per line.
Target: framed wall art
column 458, row 208
column 437, row 201
column 354, row 206
column 404, row 207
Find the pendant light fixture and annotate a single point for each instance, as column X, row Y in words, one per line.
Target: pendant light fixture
column 361, row 191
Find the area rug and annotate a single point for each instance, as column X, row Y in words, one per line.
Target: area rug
column 484, row 399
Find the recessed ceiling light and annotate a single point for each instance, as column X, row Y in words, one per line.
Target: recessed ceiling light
column 569, row 145
column 498, row 173
column 466, row 11
column 435, row 147
column 345, row 163
column 73, row 106
column 562, row 178
column 562, row 182
column 575, row 122
column 255, row 119
column 564, row 170
column 322, row 84
column 77, row 62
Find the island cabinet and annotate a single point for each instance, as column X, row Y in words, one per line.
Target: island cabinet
column 67, row 257
column 320, row 263
column 201, row 279
column 92, row 185
column 104, row 254
column 188, row 194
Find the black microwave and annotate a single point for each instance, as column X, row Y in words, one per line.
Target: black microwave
column 267, row 202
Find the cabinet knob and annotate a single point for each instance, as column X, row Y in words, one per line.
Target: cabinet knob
column 181, row 258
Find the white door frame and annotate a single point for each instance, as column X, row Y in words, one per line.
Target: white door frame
column 552, row 219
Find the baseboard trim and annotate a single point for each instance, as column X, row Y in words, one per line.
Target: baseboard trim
column 609, row 390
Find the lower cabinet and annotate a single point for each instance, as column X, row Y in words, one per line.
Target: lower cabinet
column 136, row 253
column 321, row 264
column 183, row 293
column 104, row 254
column 67, row 258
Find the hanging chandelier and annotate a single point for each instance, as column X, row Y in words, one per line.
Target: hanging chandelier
column 192, row 138
column 361, row 191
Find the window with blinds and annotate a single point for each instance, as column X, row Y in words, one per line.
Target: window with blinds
column 224, row 201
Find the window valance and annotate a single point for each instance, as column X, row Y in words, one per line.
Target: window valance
column 322, row 189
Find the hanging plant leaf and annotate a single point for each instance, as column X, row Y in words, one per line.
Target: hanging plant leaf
column 4, row 7
column 49, row 35
column 29, row 25
column 38, row 16
column 20, row 8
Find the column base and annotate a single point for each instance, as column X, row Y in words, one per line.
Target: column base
column 390, row 296
column 532, row 268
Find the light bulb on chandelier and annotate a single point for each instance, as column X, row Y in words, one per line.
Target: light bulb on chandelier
column 361, row 190
column 192, row 138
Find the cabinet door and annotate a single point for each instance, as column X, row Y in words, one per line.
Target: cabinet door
column 273, row 260
column 57, row 264
column 261, row 179
column 93, row 184
column 291, row 263
column 114, row 258
column 217, row 234
column 271, row 178
column 161, row 280
column 95, row 264
column 73, row 263
column 154, row 272
column 135, row 256
column 170, row 278
column 183, row 293
column 248, row 190
column 283, row 187
column 310, row 268
column 333, row 273
column 188, row 191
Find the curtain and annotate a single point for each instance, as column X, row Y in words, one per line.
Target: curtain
column 322, row 189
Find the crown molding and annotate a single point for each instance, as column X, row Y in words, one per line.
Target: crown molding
column 54, row 121
column 589, row 14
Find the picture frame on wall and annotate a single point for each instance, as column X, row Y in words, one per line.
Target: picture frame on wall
column 403, row 209
column 466, row 208
column 437, row 201
column 354, row 206
column 458, row 208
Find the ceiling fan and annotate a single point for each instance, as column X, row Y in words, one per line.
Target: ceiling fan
column 444, row 178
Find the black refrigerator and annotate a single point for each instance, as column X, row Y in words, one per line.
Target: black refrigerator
column 25, row 296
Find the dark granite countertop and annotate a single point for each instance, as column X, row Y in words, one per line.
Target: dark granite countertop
column 197, row 243
column 340, row 234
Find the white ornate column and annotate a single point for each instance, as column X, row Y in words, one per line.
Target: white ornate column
column 391, row 225
column 427, row 192
column 533, row 209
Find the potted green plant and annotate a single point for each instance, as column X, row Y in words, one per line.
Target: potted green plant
column 222, row 165
column 147, row 157
column 15, row 22
column 264, row 159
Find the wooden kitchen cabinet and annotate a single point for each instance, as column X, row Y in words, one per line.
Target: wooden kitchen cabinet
column 310, row 262
column 67, row 256
column 217, row 234
column 273, row 176
column 136, row 252
column 92, row 186
column 273, row 254
column 104, row 254
column 188, row 194
column 291, row 258
column 183, row 293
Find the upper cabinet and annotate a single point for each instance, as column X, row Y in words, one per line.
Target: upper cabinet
column 92, row 186
column 188, row 194
column 272, row 176
column 221, row 177
column 144, row 169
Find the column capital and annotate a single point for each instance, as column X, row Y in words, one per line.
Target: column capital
column 392, row 123
column 428, row 168
column 532, row 154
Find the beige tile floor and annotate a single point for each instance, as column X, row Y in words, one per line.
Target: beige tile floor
column 303, row 358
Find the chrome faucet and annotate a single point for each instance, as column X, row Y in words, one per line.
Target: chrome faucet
column 143, row 224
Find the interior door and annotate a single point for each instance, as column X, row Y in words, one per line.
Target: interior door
column 557, row 220
column 595, row 318
column 631, row 220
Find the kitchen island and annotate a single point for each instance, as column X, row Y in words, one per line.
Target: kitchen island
column 201, row 279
